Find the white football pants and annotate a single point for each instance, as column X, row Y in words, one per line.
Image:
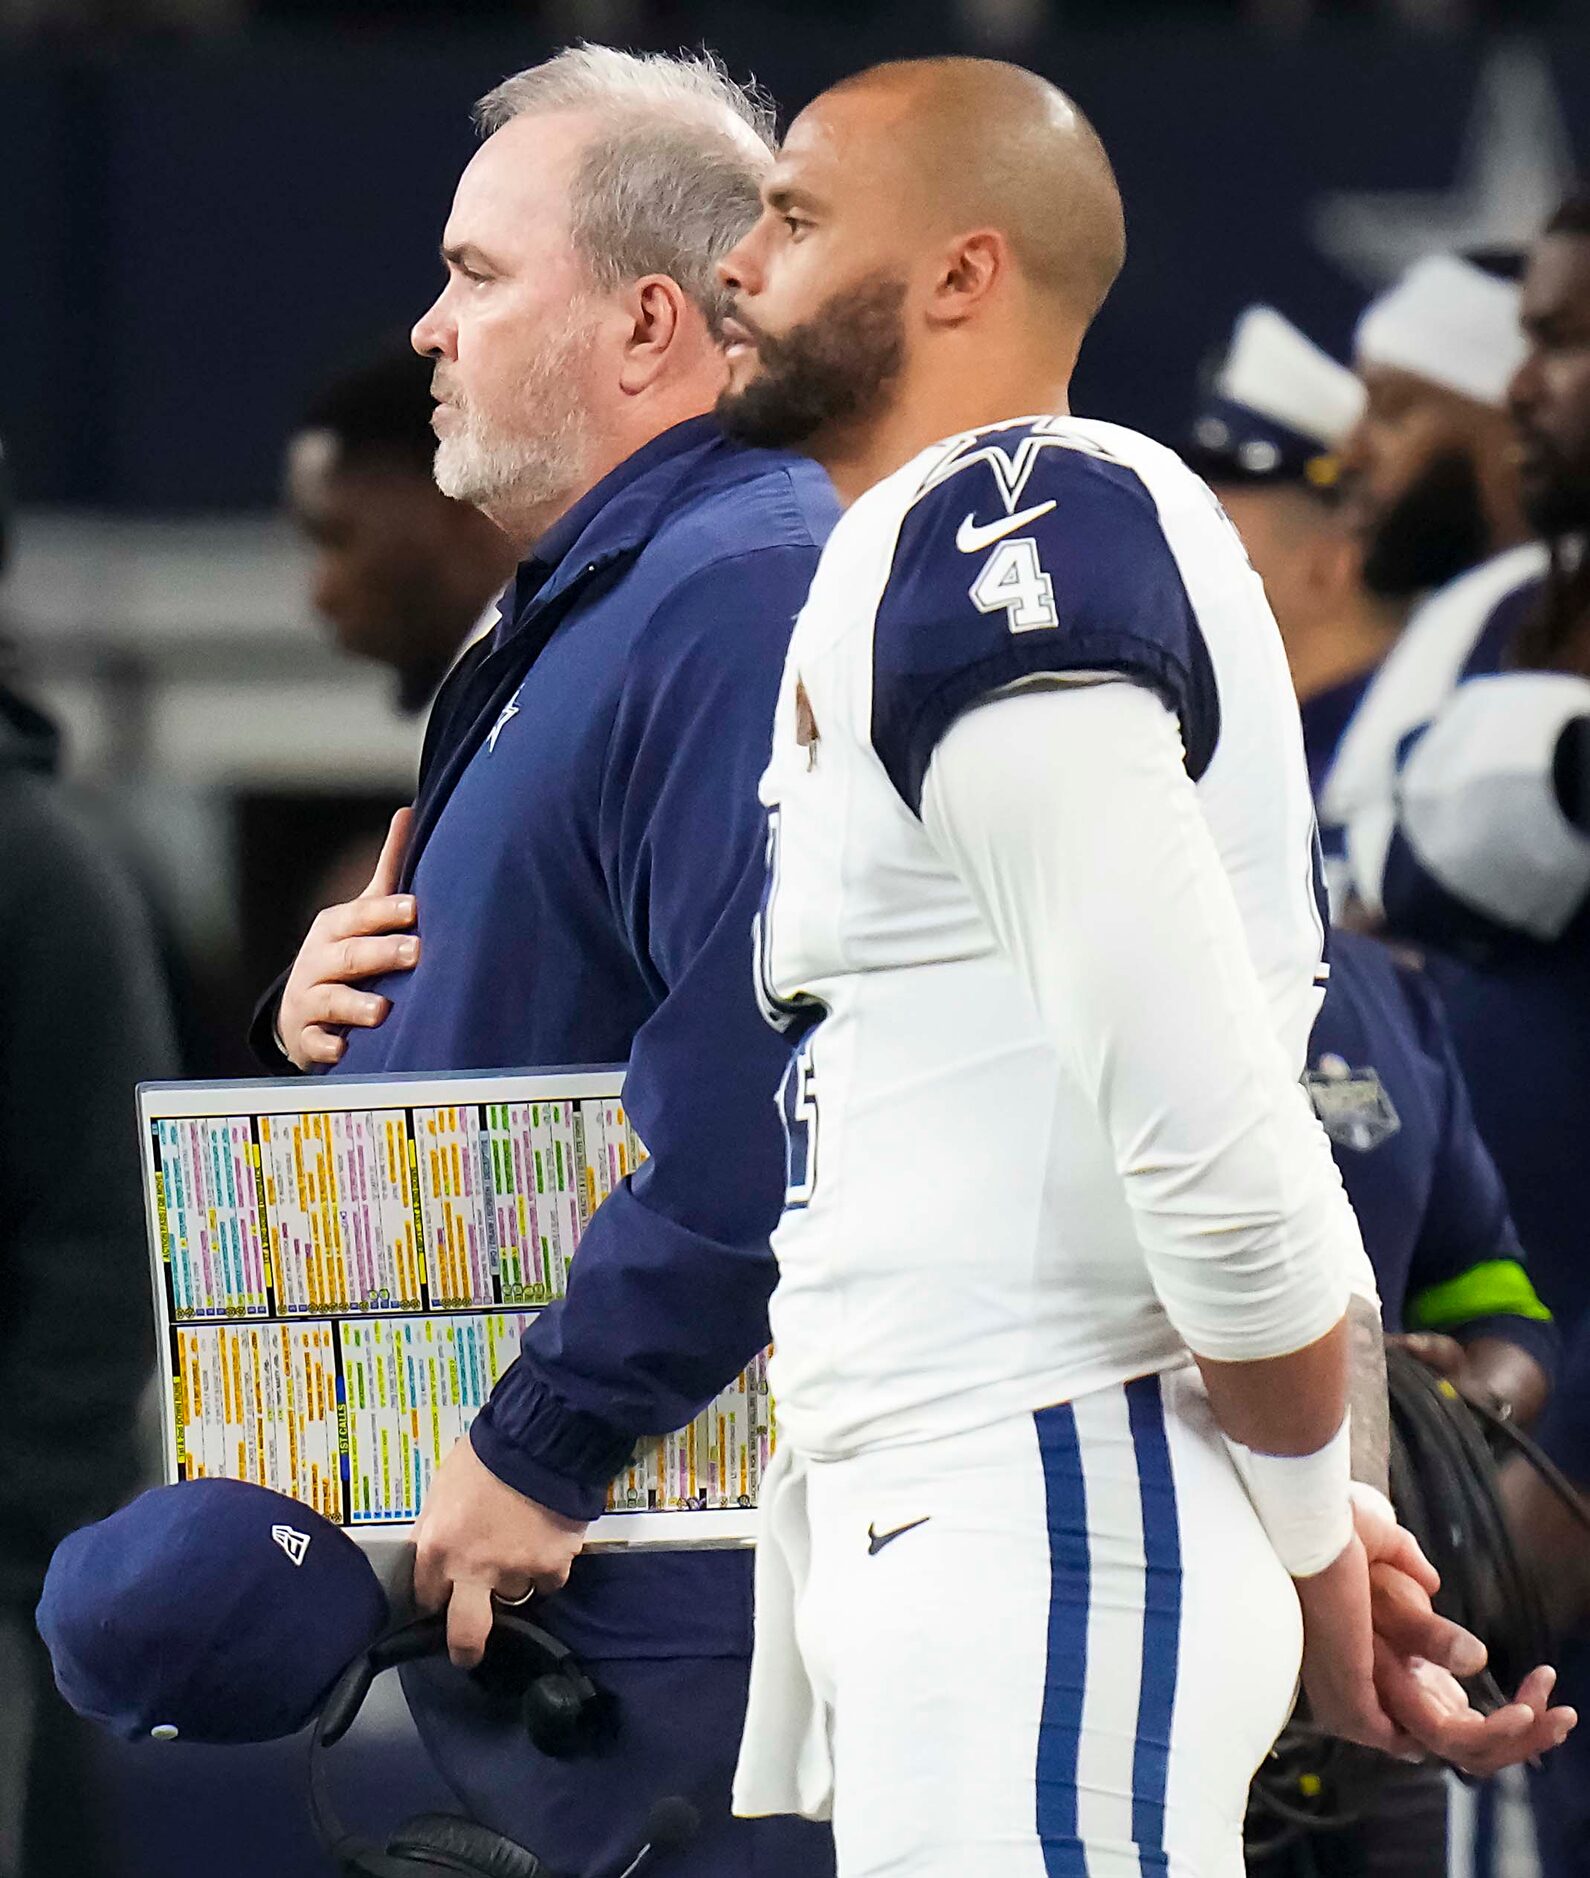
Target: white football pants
column 1057, row 1647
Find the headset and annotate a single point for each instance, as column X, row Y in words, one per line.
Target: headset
column 564, row 1713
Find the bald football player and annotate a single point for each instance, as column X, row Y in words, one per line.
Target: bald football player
column 1068, row 1285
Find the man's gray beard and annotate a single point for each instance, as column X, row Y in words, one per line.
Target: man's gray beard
column 520, row 474
column 506, row 472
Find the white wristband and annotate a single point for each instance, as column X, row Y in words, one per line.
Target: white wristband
column 1304, row 1501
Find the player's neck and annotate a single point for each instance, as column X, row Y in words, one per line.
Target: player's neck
column 941, row 404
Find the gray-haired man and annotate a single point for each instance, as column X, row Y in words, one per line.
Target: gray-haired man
column 583, row 863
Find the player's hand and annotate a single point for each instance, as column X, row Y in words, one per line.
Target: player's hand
column 1434, row 1708
column 1339, row 1655
column 477, row 1536
column 359, row 939
column 1402, row 1582
column 1419, row 1656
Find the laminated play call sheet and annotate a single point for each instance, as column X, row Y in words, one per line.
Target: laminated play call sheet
column 343, row 1268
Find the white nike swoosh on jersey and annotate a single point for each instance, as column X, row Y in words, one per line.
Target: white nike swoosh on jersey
column 972, row 535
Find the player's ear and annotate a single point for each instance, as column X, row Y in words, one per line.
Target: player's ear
column 656, row 309
column 969, row 268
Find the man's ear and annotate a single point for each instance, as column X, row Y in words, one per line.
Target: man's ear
column 969, row 268
column 658, row 308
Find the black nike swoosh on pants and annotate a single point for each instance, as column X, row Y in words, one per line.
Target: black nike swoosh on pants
column 876, row 1541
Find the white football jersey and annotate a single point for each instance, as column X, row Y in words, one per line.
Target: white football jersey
column 956, row 1244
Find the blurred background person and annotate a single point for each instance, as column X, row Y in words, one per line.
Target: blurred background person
column 1384, row 1079
column 1383, row 1071
column 1266, row 439
column 1483, row 855
column 1430, row 484
column 401, row 573
column 83, row 1019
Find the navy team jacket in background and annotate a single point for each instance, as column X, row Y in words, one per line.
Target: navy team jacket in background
column 587, row 859
column 1386, row 1084
column 1519, row 1010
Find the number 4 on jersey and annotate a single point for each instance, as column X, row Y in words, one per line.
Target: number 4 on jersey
column 1013, row 582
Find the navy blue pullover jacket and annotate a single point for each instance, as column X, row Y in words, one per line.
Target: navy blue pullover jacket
column 1386, row 1083
column 587, row 860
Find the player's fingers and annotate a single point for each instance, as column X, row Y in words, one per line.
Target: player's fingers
column 1423, row 1699
column 1404, row 1619
column 1403, row 1553
column 385, row 878
column 318, row 1045
column 1534, row 1692
column 469, row 1621
column 1431, row 1707
column 1505, row 1739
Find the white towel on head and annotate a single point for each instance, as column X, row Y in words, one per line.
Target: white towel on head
column 1450, row 322
column 786, row 1759
column 1280, row 373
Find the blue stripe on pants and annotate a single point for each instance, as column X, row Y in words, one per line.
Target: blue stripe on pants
column 1161, row 1619
column 1065, row 1679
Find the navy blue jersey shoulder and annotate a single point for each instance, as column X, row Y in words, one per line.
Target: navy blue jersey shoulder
column 1028, row 555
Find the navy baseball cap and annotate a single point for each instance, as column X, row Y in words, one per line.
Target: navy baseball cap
column 214, row 1611
column 1278, row 410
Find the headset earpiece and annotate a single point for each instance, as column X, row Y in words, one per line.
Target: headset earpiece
column 564, row 1713
column 443, row 1842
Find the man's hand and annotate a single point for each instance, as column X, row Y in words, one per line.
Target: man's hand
column 1434, row 1349
column 477, row 1536
column 1492, row 1371
column 1419, row 1656
column 1339, row 1655
column 360, row 939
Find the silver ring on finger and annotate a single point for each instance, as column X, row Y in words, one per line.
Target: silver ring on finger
column 513, row 1604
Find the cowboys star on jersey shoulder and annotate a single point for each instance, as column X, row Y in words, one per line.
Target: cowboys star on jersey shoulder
column 953, row 1199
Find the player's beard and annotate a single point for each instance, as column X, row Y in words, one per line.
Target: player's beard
column 833, row 369
column 1434, row 531
column 1556, row 492
column 533, row 457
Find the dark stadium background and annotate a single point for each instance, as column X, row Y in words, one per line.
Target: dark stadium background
column 197, row 231
column 206, row 211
